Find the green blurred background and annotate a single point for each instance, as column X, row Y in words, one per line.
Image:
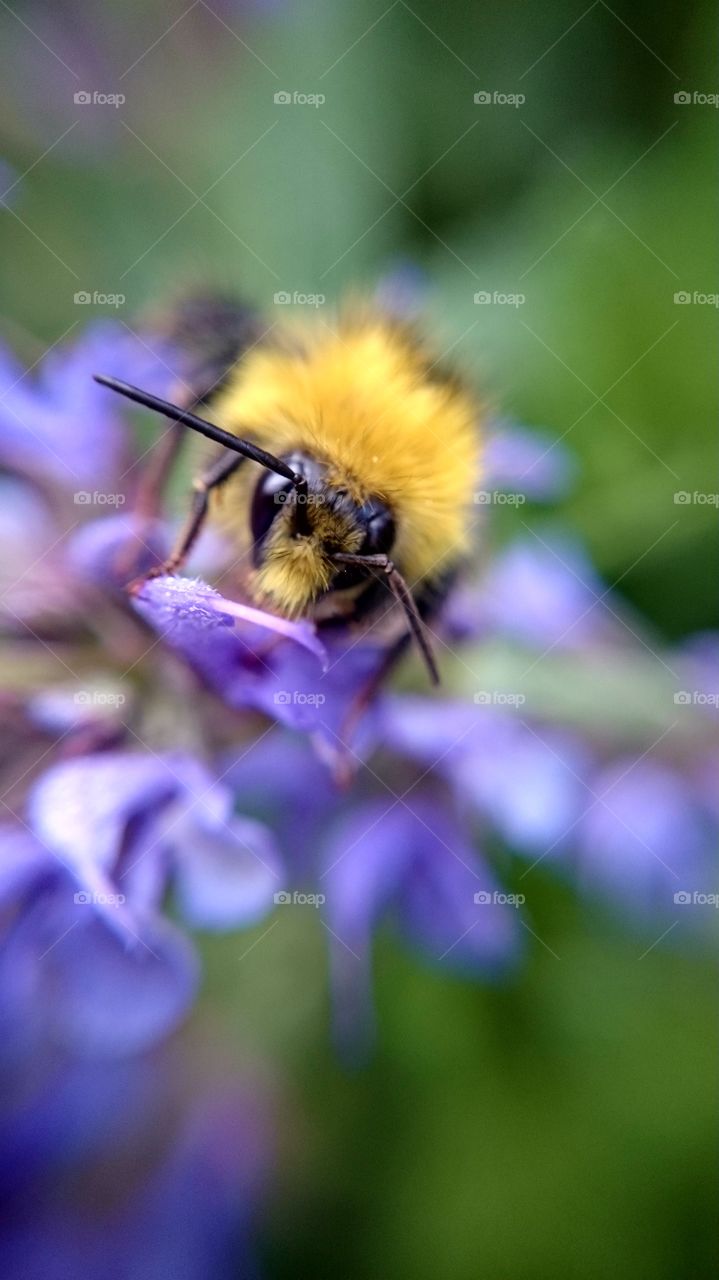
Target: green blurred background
column 559, row 1126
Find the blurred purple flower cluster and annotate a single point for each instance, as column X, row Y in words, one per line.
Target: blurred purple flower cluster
column 129, row 1168
column 182, row 746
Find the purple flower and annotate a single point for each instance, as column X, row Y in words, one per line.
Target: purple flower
column 530, row 463
column 528, row 784
column 255, row 659
column 644, row 838
column 404, row 858
column 57, row 426
column 410, row 861
column 546, row 595
column 188, row 1168
column 106, row 836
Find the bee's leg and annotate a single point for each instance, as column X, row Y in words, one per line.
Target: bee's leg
column 153, row 480
column 365, row 696
column 216, row 475
column 383, row 565
column 155, row 475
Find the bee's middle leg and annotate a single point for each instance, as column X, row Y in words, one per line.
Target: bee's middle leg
column 213, row 478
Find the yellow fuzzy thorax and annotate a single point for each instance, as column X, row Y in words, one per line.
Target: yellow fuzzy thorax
column 366, row 401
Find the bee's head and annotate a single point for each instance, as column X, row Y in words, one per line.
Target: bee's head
column 296, row 534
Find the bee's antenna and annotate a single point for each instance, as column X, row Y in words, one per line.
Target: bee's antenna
column 381, row 564
column 208, row 429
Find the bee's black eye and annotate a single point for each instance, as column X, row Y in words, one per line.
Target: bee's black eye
column 271, row 492
column 379, row 528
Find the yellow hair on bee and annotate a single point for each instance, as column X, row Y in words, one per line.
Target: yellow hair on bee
column 296, row 570
column 367, row 401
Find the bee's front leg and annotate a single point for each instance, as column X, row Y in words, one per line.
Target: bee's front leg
column 213, row 478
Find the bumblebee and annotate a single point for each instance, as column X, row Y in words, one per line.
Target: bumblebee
column 347, row 467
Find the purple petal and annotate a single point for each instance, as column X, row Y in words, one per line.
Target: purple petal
column 529, row 784
column 546, row 596
column 367, row 860
column 32, row 581
column 280, row 781
column 57, row 425
column 528, row 462
column 698, row 660
column 246, row 655
column 439, row 910
column 365, row 866
column 431, row 730
column 64, row 1111
column 60, row 425
column 416, row 864
column 226, row 874
column 402, row 290
column 22, row 860
column 92, row 989
column 113, row 549
column 80, row 808
column 415, row 859
column 644, row 839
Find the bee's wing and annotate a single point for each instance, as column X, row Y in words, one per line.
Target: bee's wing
column 211, row 332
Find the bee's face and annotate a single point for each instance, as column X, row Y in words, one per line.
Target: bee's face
column 295, row 536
